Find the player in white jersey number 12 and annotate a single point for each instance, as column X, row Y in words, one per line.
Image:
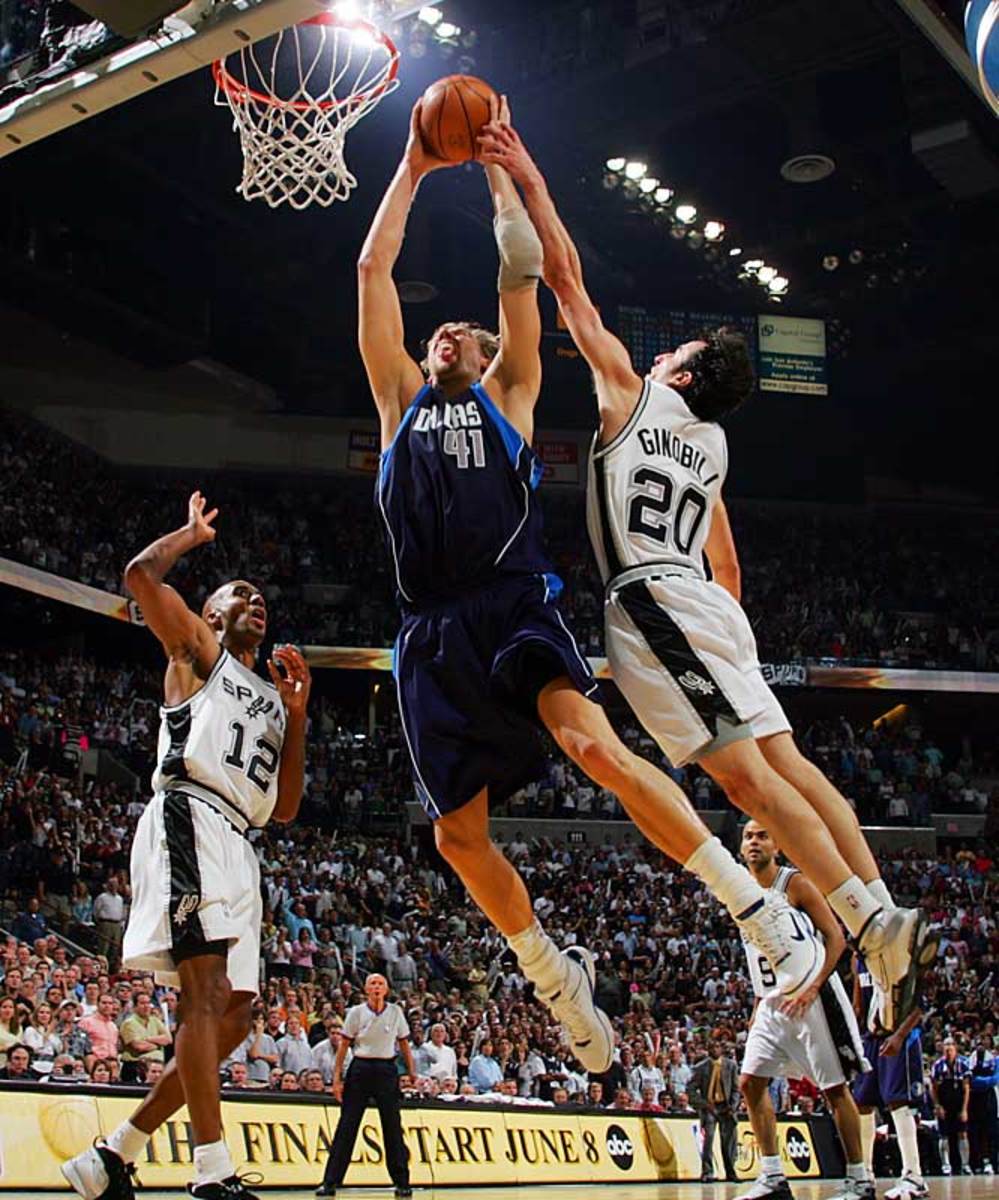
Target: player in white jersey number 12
column 680, row 647
column 231, row 757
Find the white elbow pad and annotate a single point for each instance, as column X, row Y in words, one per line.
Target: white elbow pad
column 519, row 249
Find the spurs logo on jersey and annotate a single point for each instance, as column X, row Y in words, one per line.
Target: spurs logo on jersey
column 761, row 973
column 651, row 489
column 227, row 738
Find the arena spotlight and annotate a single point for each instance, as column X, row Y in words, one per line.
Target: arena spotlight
column 615, row 164
column 753, row 265
column 446, row 31
column 765, row 274
column 714, row 231
column 735, row 252
column 429, row 15
column 686, row 213
column 856, row 257
column 830, row 262
column 348, row 10
column 778, row 285
column 663, row 195
column 635, row 170
column 649, row 184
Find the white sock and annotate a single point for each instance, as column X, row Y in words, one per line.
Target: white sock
column 728, row 880
column 944, row 1144
column 539, row 958
column 770, row 1164
column 128, row 1142
column 857, row 1171
column 962, row 1149
column 868, row 1126
column 853, row 904
column 904, row 1120
column 212, row 1163
column 879, row 890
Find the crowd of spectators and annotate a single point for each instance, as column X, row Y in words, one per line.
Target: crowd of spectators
column 877, row 585
column 671, row 974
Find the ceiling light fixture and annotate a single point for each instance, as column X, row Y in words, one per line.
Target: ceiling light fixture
column 615, row 164
column 686, row 213
column 429, row 15
column 714, row 231
column 635, row 170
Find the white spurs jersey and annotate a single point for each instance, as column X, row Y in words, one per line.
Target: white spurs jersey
column 761, row 973
column 225, row 740
column 651, row 490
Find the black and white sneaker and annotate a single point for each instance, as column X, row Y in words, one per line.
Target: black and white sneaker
column 590, row 1033
column 98, row 1173
column 233, row 1188
column 768, row 1187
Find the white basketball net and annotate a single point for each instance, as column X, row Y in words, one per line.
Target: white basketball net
column 295, row 97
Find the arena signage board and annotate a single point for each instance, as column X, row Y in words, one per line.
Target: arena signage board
column 288, row 1142
column 792, row 355
column 560, row 459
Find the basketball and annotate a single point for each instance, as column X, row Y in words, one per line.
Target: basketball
column 454, row 110
column 981, row 25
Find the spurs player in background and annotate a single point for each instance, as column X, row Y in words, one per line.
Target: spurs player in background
column 680, row 647
column 484, row 660
column 231, row 757
column 813, row 1035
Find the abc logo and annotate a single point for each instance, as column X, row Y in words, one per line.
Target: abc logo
column 619, row 1147
column 798, row 1150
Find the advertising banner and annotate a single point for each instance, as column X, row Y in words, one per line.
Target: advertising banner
column 288, row 1142
column 561, row 459
column 363, row 451
column 792, row 355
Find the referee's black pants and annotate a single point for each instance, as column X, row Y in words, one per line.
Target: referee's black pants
column 369, row 1080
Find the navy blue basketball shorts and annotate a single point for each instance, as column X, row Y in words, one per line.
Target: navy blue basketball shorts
column 892, row 1081
column 468, row 673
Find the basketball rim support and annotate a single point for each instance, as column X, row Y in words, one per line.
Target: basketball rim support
column 178, row 48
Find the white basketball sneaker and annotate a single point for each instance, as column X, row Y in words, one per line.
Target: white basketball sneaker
column 99, row 1172
column 768, row 1187
column 898, row 947
column 907, row 1188
column 855, row 1189
column 588, row 1027
column 795, row 956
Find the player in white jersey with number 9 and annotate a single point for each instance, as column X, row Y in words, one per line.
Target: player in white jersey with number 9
column 231, row 757
column 680, row 646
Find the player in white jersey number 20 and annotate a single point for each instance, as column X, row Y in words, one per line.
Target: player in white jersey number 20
column 812, row 1036
column 680, row 647
column 231, row 757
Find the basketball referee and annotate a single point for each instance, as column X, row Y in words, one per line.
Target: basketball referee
column 372, row 1030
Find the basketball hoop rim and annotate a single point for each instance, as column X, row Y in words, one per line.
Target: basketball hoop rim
column 240, row 93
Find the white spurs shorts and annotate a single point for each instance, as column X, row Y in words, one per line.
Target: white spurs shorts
column 824, row 1045
column 195, row 880
column 683, row 654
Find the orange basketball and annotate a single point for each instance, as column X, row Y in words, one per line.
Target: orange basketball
column 454, row 110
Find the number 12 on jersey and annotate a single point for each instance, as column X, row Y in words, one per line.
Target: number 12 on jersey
column 262, row 765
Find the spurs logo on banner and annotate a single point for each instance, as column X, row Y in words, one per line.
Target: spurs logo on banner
column 187, row 907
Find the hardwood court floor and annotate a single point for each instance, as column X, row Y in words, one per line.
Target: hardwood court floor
column 976, row 1187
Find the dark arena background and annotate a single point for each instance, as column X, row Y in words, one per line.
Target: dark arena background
column 822, row 175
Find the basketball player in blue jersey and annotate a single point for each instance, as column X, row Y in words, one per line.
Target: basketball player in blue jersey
column 231, row 757
column 484, row 659
column 894, row 1081
column 680, row 646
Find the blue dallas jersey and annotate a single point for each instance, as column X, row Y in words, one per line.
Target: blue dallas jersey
column 456, row 490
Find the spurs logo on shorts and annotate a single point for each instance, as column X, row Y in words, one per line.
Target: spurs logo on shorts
column 186, row 906
column 696, row 683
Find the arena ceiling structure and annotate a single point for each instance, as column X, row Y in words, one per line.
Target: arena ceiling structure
column 832, row 140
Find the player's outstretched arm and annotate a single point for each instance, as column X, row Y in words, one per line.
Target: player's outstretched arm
column 291, row 676
column 516, row 371
column 618, row 384
column 182, row 633
column 802, row 893
column 393, row 375
column 720, row 549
